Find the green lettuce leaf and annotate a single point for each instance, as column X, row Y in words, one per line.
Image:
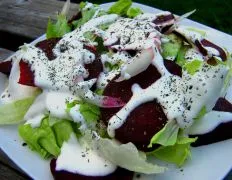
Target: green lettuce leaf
column 41, row 139
column 86, row 16
column 202, row 112
column 167, row 135
column 120, row 7
column 127, row 156
column 171, row 48
column 133, row 12
column 58, row 29
column 180, row 59
column 90, row 112
column 14, row 112
column 177, row 153
column 193, row 66
column 49, row 137
column 62, row 131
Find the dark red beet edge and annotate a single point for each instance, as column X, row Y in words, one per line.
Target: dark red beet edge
column 207, row 43
column 5, row 67
column 26, row 75
column 222, row 132
column 145, row 120
column 120, row 173
column 47, row 45
column 163, row 18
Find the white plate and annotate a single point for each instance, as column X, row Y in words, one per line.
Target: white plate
column 208, row 162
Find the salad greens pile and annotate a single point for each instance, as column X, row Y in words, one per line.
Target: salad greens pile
column 47, row 139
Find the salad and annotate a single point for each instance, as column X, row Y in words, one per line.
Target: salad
column 108, row 90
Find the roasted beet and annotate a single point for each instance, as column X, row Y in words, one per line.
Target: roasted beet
column 222, row 132
column 5, row 67
column 163, row 19
column 223, row 105
column 145, row 120
column 207, row 43
column 173, row 68
column 120, row 173
column 26, row 75
column 96, row 67
column 47, row 46
column 141, row 125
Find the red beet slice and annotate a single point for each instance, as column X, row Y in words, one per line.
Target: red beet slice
column 5, row 67
column 205, row 43
column 220, row 133
column 120, row 173
column 163, row 19
column 173, row 68
column 142, row 124
column 145, row 120
column 223, row 105
column 47, row 46
column 26, row 75
column 96, row 67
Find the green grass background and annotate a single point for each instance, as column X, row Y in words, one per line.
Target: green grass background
column 214, row 13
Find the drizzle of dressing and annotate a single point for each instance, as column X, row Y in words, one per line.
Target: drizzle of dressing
column 209, row 122
column 179, row 97
column 82, row 160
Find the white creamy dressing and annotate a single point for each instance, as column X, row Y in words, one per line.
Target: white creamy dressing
column 132, row 34
column 193, row 54
column 209, row 122
column 78, row 117
column 82, row 160
column 193, row 36
column 62, row 78
column 179, row 97
column 14, row 90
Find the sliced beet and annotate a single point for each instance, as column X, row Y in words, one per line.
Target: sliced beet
column 173, row 68
column 163, row 19
column 26, row 75
column 47, row 47
column 142, row 124
column 96, row 67
column 223, row 105
column 207, row 43
column 120, row 173
column 145, row 120
column 201, row 48
column 220, row 133
column 5, row 67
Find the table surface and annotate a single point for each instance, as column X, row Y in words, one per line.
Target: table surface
column 26, row 20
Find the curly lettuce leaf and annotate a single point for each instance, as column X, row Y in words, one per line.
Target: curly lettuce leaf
column 177, row 153
column 49, row 137
column 180, row 59
column 90, row 112
column 127, row 156
column 86, row 16
column 120, row 7
column 193, row 66
column 171, row 48
column 166, row 136
column 14, row 112
column 58, row 29
column 133, row 12
column 41, row 139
